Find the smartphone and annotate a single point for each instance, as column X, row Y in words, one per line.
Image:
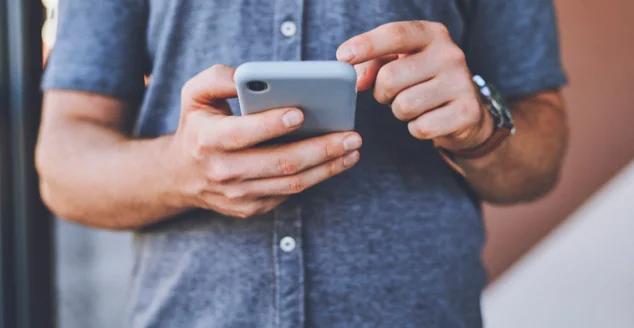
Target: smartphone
column 325, row 91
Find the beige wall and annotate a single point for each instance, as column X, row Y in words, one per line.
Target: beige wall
column 598, row 51
column 557, row 280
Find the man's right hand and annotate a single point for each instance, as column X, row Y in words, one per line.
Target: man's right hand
column 222, row 168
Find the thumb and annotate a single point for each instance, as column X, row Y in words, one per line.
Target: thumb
column 209, row 89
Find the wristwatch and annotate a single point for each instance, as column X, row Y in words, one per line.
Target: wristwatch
column 503, row 121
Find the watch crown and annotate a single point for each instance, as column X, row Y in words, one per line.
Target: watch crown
column 486, row 91
column 477, row 79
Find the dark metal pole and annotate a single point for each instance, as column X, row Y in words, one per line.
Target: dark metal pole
column 7, row 317
column 32, row 224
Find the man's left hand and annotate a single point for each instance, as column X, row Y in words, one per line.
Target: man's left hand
column 417, row 69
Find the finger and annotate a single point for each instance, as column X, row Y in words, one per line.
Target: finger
column 283, row 160
column 458, row 118
column 235, row 205
column 423, row 97
column 297, row 183
column 366, row 72
column 209, row 86
column 267, row 204
column 231, row 133
column 251, row 208
column 390, row 38
column 258, row 207
column 401, row 74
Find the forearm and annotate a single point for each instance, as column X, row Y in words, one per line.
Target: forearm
column 528, row 164
column 103, row 179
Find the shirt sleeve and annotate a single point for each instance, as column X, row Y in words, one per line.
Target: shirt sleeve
column 99, row 47
column 514, row 45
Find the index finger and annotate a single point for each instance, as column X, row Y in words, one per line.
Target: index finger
column 390, row 38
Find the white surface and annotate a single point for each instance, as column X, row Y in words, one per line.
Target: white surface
column 581, row 276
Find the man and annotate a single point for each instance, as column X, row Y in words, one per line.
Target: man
column 330, row 235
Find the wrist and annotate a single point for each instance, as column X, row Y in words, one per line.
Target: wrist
column 497, row 115
column 177, row 171
column 486, row 130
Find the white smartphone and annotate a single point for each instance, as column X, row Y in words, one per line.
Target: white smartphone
column 325, row 91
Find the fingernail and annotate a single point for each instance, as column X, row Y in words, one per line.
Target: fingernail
column 293, row 118
column 351, row 159
column 352, row 142
column 345, row 54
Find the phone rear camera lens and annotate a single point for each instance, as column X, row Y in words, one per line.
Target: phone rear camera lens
column 257, row 86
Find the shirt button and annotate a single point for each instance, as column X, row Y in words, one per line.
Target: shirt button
column 289, row 29
column 287, row 244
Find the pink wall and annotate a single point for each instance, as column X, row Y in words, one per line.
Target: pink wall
column 598, row 51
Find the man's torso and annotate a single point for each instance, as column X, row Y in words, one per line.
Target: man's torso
column 393, row 242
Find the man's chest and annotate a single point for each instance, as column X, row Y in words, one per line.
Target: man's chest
column 240, row 30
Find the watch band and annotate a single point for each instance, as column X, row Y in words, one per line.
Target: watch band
column 489, row 145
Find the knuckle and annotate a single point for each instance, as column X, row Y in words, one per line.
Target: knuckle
column 330, row 149
column 364, row 39
column 462, row 135
column 335, row 167
column 404, row 109
column 386, row 79
column 187, row 90
column 286, row 166
column 256, row 208
column 468, row 111
column 296, row 185
column 260, row 208
column 418, row 26
column 367, row 43
column 231, row 137
column 220, row 172
column 455, row 55
column 216, row 69
column 211, row 75
column 399, row 32
column 381, row 96
column 242, row 215
column 200, row 150
column 418, row 130
column 389, row 73
column 439, row 29
column 200, row 145
column 463, row 82
column 235, row 194
column 246, row 213
column 248, row 210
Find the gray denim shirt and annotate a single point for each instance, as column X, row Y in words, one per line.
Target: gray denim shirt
column 394, row 242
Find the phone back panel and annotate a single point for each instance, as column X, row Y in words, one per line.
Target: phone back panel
column 324, row 90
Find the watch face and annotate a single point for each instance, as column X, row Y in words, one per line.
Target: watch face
column 503, row 117
column 508, row 119
column 494, row 102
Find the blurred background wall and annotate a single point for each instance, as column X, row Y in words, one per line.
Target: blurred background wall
column 598, row 52
column 580, row 276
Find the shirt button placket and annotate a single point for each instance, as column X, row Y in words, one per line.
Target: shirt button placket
column 287, row 39
column 289, row 266
column 287, row 246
